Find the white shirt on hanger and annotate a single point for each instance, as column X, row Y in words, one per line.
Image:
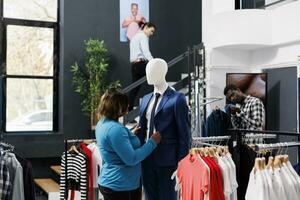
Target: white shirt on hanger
column 234, row 184
column 270, row 183
column 226, row 177
column 279, row 185
column 295, row 175
column 288, row 184
column 256, row 188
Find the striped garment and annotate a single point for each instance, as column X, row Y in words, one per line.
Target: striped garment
column 5, row 183
column 76, row 171
column 252, row 115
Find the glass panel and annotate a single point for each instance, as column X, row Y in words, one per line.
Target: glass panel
column 40, row 10
column 29, row 105
column 29, row 51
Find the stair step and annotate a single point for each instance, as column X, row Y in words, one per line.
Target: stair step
column 56, row 169
column 47, row 184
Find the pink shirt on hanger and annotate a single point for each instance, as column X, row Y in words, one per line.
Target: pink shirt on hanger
column 193, row 178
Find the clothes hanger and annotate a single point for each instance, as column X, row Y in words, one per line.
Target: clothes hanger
column 7, row 147
column 257, row 164
column 286, row 156
column 270, row 163
column 89, row 141
column 73, row 149
column 270, row 159
column 277, row 161
column 263, row 163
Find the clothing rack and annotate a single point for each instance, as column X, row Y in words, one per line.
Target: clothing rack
column 66, row 159
column 197, row 144
column 238, row 134
column 253, row 136
column 211, row 139
column 259, row 147
column 205, row 140
column 198, row 119
column 212, row 100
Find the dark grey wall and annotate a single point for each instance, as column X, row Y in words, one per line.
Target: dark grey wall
column 282, row 103
column 249, row 4
column 282, row 99
column 178, row 26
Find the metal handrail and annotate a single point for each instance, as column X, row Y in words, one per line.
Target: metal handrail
column 272, row 4
column 143, row 79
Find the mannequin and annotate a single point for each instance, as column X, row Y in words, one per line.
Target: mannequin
column 172, row 121
column 156, row 71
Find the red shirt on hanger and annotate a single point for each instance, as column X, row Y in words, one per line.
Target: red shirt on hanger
column 88, row 153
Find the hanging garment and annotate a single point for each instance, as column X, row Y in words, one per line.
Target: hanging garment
column 16, row 176
column 278, row 184
column 97, row 164
column 233, row 182
column 226, row 177
column 76, row 174
column 256, row 189
column 295, row 175
column 288, row 184
column 246, row 164
column 29, row 186
column 217, row 123
column 193, row 178
column 90, row 170
column 216, row 180
column 5, row 182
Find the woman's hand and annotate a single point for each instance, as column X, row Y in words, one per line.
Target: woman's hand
column 136, row 129
column 156, row 137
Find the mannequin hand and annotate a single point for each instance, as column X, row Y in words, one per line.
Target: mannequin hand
column 156, row 137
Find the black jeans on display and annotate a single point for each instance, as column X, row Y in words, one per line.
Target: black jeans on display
column 109, row 194
column 138, row 70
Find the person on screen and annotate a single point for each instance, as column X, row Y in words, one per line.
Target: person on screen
column 132, row 23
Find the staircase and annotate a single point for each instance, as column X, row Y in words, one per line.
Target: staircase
column 192, row 84
column 48, row 185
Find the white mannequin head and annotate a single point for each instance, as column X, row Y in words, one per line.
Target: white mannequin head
column 156, row 71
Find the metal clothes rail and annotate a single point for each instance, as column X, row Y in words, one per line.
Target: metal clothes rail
column 280, row 145
column 205, row 140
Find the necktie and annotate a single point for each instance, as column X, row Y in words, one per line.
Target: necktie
column 151, row 126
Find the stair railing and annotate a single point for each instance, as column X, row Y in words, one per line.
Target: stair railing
column 178, row 85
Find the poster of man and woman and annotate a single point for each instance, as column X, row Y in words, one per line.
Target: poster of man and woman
column 132, row 14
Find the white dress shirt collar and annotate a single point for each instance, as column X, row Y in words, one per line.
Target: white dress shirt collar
column 161, row 88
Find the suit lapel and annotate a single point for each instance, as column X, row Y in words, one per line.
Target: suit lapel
column 145, row 106
column 164, row 100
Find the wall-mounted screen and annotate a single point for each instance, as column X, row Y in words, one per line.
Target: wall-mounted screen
column 254, row 84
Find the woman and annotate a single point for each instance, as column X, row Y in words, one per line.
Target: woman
column 139, row 56
column 120, row 150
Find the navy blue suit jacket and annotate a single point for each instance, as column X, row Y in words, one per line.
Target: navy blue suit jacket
column 173, row 122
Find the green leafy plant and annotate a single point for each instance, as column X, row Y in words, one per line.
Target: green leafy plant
column 91, row 80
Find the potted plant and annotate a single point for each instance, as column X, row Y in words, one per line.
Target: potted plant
column 91, row 80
